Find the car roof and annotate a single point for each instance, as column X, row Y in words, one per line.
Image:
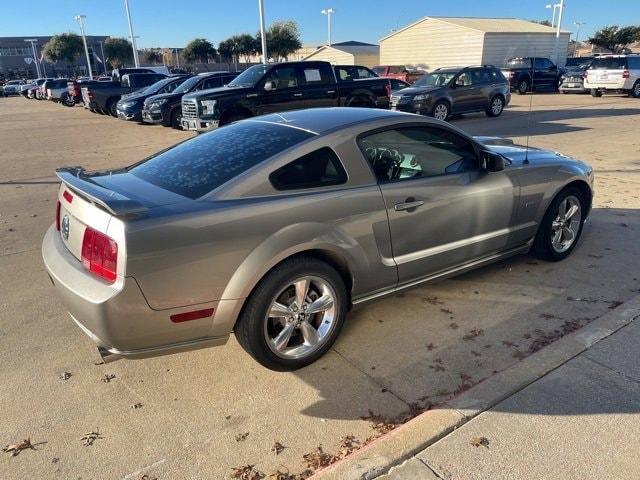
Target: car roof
column 323, row 120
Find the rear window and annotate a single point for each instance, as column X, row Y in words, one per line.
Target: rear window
column 198, row 166
column 519, row 63
column 609, row 63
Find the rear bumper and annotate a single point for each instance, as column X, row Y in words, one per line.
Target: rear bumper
column 116, row 316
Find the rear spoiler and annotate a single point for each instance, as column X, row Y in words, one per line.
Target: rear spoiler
column 113, row 202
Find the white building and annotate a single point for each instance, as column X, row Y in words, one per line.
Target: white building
column 348, row 53
column 434, row 42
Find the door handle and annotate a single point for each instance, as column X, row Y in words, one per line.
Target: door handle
column 409, row 205
column 297, row 94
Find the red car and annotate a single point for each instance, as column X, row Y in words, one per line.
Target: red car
column 398, row 71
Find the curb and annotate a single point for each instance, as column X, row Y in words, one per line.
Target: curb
column 427, row 428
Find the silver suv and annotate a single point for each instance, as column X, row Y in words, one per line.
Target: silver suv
column 614, row 73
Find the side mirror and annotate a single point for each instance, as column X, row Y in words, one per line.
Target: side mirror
column 492, row 162
column 269, row 86
column 453, row 84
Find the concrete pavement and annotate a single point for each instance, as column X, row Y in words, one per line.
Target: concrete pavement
column 580, row 421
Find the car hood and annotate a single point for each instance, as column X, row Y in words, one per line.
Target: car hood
column 412, row 91
column 162, row 96
column 519, row 153
column 219, row 92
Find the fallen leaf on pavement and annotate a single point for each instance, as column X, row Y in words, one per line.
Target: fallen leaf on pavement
column 18, row 447
column 65, row 376
column 247, row 472
column 108, row 377
column 480, row 442
column 319, row 458
column 473, row 334
column 241, row 437
column 348, row 444
column 277, row 448
column 89, row 438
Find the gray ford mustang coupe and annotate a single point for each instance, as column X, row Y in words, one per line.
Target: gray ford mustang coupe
column 274, row 227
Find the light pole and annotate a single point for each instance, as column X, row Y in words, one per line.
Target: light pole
column 104, row 59
column 555, row 7
column 263, row 35
column 328, row 12
column 177, row 58
column 577, row 24
column 80, row 19
column 33, row 41
column 133, row 39
column 556, row 51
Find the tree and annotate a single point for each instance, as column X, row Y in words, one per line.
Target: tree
column 226, row 50
column 151, row 56
column 118, row 51
column 63, row 47
column 199, row 50
column 283, row 38
column 614, row 38
column 546, row 23
column 248, row 46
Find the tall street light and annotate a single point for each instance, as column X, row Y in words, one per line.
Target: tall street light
column 575, row 47
column 104, row 59
column 80, row 19
column 555, row 7
column 328, row 12
column 556, row 51
column 33, row 41
column 133, row 39
column 263, row 35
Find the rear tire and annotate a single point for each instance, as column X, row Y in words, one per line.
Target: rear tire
column 523, row 86
column 544, row 246
column 635, row 91
column 496, row 107
column 112, row 108
column 257, row 331
column 596, row 93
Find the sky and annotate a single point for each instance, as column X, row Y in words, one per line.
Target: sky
column 173, row 23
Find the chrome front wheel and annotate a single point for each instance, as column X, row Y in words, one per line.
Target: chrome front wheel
column 565, row 227
column 441, row 111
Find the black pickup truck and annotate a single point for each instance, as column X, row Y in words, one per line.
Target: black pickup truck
column 279, row 87
column 526, row 74
column 103, row 97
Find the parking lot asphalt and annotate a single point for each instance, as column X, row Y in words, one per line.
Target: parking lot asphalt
column 199, row 414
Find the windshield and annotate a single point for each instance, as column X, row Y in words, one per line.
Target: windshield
column 197, row 166
column 436, row 79
column 155, row 87
column 519, row 63
column 378, row 70
column 608, row 63
column 250, row 76
column 187, row 85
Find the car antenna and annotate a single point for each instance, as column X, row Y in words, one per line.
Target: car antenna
column 533, row 73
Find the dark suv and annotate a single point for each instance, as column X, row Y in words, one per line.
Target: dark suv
column 454, row 90
column 526, row 74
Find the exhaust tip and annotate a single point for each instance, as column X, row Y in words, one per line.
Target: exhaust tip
column 107, row 356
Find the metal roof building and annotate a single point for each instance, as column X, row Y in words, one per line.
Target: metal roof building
column 348, row 53
column 434, row 42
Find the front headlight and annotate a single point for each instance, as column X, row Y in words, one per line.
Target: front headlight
column 156, row 104
column 421, row 97
column 208, row 106
column 127, row 104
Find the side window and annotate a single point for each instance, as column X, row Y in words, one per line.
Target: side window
column 213, row 82
column 396, row 69
column 464, row 80
column 417, row 152
column 316, row 75
column 316, row 169
column 170, row 87
column 343, row 74
column 283, row 77
column 365, row 73
column 479, row 75
column 495, row 75
column 541, row 63
column 634, row 63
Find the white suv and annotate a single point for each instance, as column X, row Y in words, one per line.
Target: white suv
column 619, row 73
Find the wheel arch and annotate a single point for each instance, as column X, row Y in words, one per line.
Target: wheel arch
column 580, row 184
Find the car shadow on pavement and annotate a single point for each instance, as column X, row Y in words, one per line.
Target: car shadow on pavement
column 430, row 343
column 540, row 122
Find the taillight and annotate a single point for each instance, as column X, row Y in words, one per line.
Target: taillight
column 67, row 196
column 58, row 216
column 625, row 74
column 100, row 254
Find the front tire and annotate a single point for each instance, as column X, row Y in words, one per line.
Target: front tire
column 441, row 111
column 596, row 93
column 112, row 108
column 294, row 315
column 561, row 226
column 176, row 116
column 496, row 106
column 635, row 91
